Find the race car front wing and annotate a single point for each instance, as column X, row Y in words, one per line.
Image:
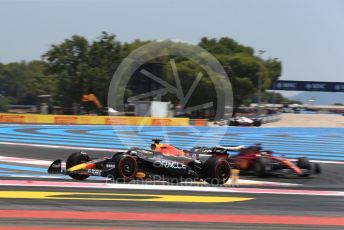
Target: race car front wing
column 56, row 168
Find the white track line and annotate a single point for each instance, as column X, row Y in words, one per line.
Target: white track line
column 26, row 161
column 199, row 184
column 60, row 147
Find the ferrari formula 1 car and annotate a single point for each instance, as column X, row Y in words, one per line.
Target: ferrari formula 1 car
column 263, row 163
column 161, row 162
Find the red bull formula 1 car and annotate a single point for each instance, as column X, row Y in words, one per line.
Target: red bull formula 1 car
column 161, row 162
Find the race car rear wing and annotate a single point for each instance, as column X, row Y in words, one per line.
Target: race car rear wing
column 217, row 149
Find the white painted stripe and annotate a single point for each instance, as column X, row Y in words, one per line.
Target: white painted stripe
column 322, row 161
column 26, row 161
column 60, row 146
column 328, row 162
column 50, row 176
column 263, row 183
column 103, row 179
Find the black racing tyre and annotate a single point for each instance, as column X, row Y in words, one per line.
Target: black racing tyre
column 75, row 159
column 233, row 123
column 262, row 167
column 304, row 163
column 317, row 169
column 216, row 171
column 126, row 167
column 257, row 123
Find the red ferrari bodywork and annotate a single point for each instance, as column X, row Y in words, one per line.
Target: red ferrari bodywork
column 247, row 157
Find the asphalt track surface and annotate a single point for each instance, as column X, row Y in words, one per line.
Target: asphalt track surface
column 122, row 208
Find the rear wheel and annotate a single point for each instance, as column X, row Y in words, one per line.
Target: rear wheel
column 262, row 167
column 75, row 159
column 216, row 171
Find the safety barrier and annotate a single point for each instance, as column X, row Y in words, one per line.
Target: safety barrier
column 91, row 120
column 110, row 120
column 199, row 122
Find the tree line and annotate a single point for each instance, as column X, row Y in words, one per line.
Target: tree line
column 79, row 66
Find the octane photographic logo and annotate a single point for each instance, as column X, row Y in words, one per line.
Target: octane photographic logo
column 211, row 71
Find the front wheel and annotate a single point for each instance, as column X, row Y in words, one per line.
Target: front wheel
column 126, row 167
column 75, row 159
column 304, row 163
column 216, row 171
column 317, row 169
